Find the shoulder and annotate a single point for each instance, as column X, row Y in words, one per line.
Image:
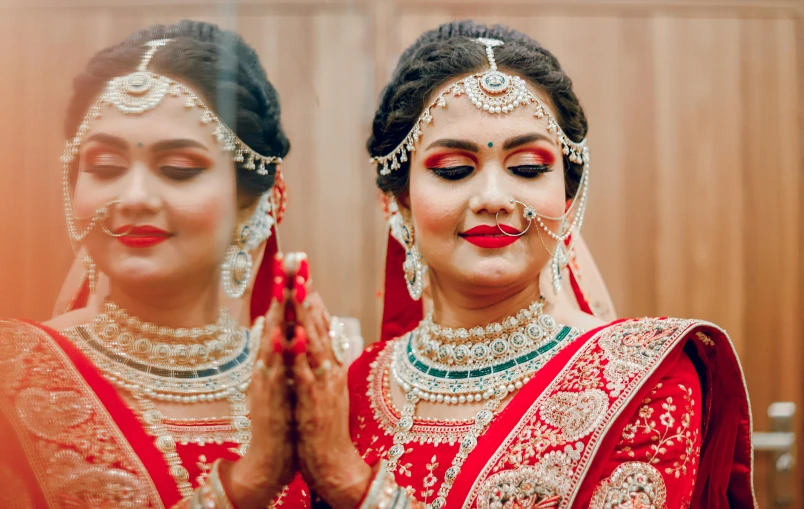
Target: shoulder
column 71, row 319
column 361, row 367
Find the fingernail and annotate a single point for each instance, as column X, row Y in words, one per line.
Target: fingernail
column 300, row 282
column 301, row 289
column 304, row 269
column 276, row 340
column 279, row 279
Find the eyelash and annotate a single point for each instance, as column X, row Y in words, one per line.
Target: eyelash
column 177, row 173
column 523, row 170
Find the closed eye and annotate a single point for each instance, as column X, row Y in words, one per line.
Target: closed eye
column 180, row 172
column 453, row 172
column 105, row 171
column 530, row 170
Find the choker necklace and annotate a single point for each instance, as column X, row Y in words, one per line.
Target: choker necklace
column 177, row 365
column 428, row 364
column 173, row 365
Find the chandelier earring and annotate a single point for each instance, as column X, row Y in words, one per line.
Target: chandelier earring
column 559, row 260
column 413, row 266
column 236, row 269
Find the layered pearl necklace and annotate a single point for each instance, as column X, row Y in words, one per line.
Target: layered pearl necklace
column 459, row 366
column 187, row 366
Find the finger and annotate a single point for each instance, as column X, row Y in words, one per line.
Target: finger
column 274, row 317
column 302, row 375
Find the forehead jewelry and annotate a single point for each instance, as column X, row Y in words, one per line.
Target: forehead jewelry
column 138, row 93
column 494, row 92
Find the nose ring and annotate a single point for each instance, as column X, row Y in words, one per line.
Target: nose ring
column 529, row 213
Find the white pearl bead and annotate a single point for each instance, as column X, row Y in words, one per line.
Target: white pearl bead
column 193, row 399
column 511, row 388
column 440, row 398
column 454, row 400
column 518, row 384
column 470, row 398
column 462, row 399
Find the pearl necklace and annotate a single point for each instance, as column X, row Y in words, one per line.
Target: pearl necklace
column 225, row 370
column 225, row 374
column 422, row 379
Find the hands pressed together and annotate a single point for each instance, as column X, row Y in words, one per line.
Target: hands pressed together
column 299, row 403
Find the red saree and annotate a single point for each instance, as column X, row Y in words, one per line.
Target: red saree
column 69, row 439
column 636, row 414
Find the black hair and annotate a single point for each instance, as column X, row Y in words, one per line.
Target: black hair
column 215, row 63
column 439, row 56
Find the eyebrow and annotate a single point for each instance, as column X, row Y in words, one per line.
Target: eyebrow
column 518, row 141
column 108, row 139
column 162, row 146
column 456, row 144
column 174, row 144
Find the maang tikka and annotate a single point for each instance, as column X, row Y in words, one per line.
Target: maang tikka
column 136, row 94
column 498, row 93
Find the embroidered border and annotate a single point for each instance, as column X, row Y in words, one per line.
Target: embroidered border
column 76, row 450
column 617, row 361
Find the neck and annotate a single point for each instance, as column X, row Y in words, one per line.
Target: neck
column 471, row 307
column 187, row 304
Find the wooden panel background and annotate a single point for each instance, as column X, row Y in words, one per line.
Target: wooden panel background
column 696, row 112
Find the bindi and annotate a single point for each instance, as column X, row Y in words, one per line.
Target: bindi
column 491, row 144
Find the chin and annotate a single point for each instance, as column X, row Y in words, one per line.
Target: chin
column 493, row 272
column 140, row 271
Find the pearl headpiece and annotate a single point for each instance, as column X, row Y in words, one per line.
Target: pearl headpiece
column 492, row 91
column 142, row 91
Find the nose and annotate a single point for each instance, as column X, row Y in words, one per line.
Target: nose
column 139, row 196
column 493, row 195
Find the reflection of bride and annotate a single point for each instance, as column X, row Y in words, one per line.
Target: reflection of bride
column 501, row 395
column 168, row 199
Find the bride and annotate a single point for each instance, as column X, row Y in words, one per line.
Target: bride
column 499, row 397
column 156, row 396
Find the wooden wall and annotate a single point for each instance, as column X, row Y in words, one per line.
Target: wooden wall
column 695, row 107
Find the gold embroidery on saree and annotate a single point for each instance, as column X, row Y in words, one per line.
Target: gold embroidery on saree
column 665, row 432
column 78, row 454
column 632, row 485
column 556, row 439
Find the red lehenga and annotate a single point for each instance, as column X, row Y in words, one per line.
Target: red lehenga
column 70, row 441
column 649, row 413
column 638, row 413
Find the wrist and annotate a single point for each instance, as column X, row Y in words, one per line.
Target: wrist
column 245, row 485
column 348, row 488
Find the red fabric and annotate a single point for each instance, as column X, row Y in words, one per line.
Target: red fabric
column 400, row 312
column 261, row 293
column 583, row 304
column 195, row 458
column 692, row 404
column 124, row 417
column 81, row 297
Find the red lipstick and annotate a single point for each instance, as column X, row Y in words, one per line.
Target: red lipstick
column 490, row 237
column 141, row 236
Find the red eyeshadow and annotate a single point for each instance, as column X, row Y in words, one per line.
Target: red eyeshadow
column 546, row 157
column 437, row 160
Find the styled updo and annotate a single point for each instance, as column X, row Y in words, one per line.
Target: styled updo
column 219, row 66
column 438, row 57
